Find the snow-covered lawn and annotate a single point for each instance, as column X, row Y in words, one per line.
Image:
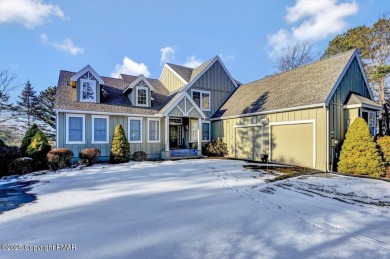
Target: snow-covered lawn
column 199, row 209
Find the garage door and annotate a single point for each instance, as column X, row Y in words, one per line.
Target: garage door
column 248, row 142
column 292, row 144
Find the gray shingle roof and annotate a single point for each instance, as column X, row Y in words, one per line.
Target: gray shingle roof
column 184, row 72
column 115, row 101
column 306, row 85
column 358, row 99
column 199, row 69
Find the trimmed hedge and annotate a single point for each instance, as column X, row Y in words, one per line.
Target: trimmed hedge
column 139, row 156
column 89, row 156
column 359, row 153
column 7, row 155
column 59, row 158
column 23, row 165
column 120, row 149
column 217, row 148
column 38, row 149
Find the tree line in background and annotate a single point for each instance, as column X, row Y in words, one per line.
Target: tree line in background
column 29, row 108
column 373, row 44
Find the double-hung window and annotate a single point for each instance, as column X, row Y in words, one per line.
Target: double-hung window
column 202, row 99
column 153, row 130
column 135, row 130
column 142, row 96
column 100, row 129
column 75, row 129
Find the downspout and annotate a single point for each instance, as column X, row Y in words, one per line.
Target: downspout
column 57, row 123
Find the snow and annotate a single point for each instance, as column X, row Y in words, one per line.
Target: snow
column 199, row 209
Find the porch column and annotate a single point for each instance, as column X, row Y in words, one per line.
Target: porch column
column 200, row 135
column 167, row 133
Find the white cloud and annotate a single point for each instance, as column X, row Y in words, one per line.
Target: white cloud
column 130, row 67
column 227, row 57
column 30, row 13
column 312, row 21
column 167, row 54
column 193, row 62
column 67, row 45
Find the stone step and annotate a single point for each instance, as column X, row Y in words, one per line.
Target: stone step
column 184, row 152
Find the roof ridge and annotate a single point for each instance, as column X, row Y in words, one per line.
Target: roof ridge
column 178, row 65
column 303, row 66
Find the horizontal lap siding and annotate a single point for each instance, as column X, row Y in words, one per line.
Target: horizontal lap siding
column 152, row 149
column 224, row 129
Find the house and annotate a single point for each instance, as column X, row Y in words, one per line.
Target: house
column 296, row 117
column 165, row 117
column 300, row 116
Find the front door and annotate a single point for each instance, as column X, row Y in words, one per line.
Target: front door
column 173, row 136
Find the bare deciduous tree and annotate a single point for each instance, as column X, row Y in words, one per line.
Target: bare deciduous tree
column 294, row 56
column 6, row 85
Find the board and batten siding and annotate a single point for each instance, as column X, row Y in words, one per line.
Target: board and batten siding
column 218, row 83
column 259, row 138
column 170, row 80
column 151, row 149
column 352, row 81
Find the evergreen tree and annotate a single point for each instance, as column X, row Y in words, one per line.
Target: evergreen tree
column 120, row 149
column 359, row 153
column 27, row 103
column 45, row 105
column 38, row 149
column 30, row 133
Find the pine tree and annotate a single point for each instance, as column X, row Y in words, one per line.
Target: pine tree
column 30, row 133
column 44, row 112
column 120, row 149
column 27, row 103
column 359, row 153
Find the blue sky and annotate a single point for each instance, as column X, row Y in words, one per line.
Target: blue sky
column 41, row 37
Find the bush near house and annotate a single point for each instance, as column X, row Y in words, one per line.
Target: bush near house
column 30, row 133
column 217, row 148
column 359, row 153
column 38, row 149
column 120, row 149
column 59, row 158
column 139, row 156
column 89, row 156
column 7, row 155
column 384, row 144
column 23, row 165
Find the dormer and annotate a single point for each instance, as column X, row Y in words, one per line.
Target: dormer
column 140, row 92
column 88, row 84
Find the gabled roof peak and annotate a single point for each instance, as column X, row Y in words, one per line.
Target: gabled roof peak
column 86, row 69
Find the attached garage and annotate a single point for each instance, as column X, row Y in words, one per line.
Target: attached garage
column 293, row 143
column 248, row 141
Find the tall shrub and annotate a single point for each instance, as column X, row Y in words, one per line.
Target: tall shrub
column 120, row 149
column 359, row 153
column 38, row 149
column 384, row 144
column 30, row 133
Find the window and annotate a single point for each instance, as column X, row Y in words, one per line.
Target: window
column 88, row 90
column 153, row 130
column 194, row 130
column 135, row 130
column 370, row 118
column 99, row 129
column 75, row 129
column 202, row 99
column 206, row 131
column 142, row 96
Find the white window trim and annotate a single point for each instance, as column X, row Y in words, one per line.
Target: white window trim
column 201, row 98
column 93, row 129
column 375, row 119
column 206, row 140
column 81, row 91
column 67, row 128
column 147, row 95
column 159, row 131
column 196, row 123
column 129, row 133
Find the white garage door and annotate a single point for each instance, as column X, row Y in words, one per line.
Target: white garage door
column 293, row 144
